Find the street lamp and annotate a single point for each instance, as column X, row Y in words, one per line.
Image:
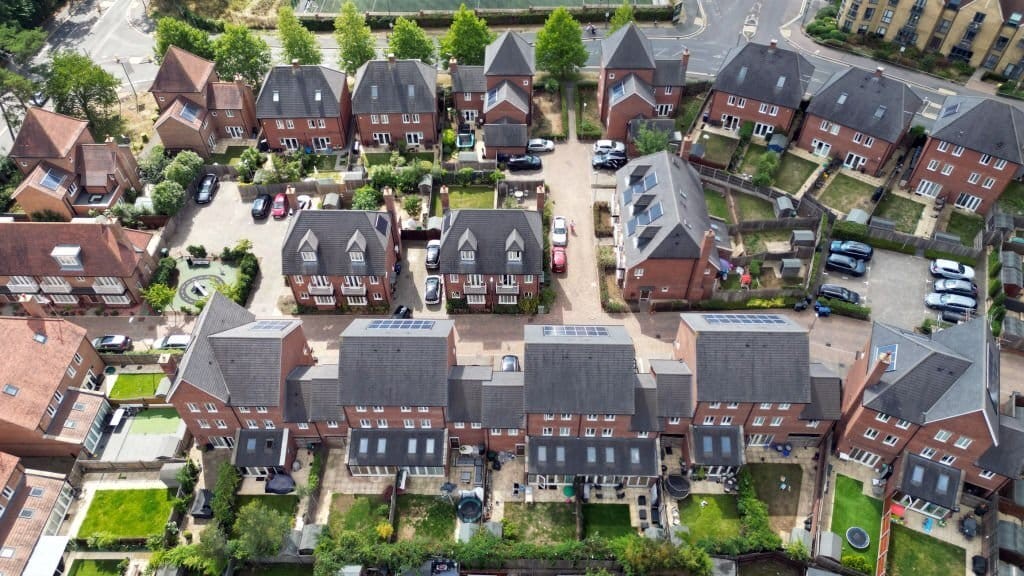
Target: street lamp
column 607, row 18
column 125, row 66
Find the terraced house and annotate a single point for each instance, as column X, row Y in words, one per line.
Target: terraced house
column 396, row 101
column 303, row 107
column 32, row 508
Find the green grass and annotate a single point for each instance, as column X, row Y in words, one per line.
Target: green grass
column 135, row 385
column 752, row 157
column 543, row 522
column 782, row 505
column 155, row 421
column 95, row 568
column 333, row 6
column 463, row 197
column 912, row 552
column 719, row 520
column 752, row 208
column 607, row 520
column 903, row 211
column 426, row 517
column 230, row 157
column 844, row 193
column 793, row 172
column 356, row 513
column 718, row 206
column 375, row 158
column 853, row 508
column 127, row 513
column 688, row 111
column 1012, row 200
column 718, row 148
column 966, row 226
column 286, row 503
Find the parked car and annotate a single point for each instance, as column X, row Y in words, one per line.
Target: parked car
column 853, row 249
column 539, row 145
column 433, row 259
column 207, row 188
column 173, row 342
column 951, row 269
column 402, row 312
column 951, row 302
column 510, row 363
column 845, row 264
column 608, row 161
column 559, row 260
column 202, row 506
column 837, row 292
column 261, row 206
column 602, row 146
column 280, row 208
column 954, row 286
column 112, row 343
column 559, row 231
column 433, row 290
column 525, row 162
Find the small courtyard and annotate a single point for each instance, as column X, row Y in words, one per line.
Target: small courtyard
column 793, row 172
column 135, row 385
column 911, row 552
column 710, row 516
column 356, row 512
column 904, row 212
column 606, row 520
column 778, row 486
column 423, row 517
column 718, row 149
column 460, row 197
column 196, row 283
column 155, row 421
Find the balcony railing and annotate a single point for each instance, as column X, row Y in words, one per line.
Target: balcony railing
column 109, row 288
column 474, row 289
column 321, row 290
column 64, row 288
column 507, row 289
column 354, row 290
column 23, row 288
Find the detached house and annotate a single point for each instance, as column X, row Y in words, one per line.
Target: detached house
column 859, row 117
column 33, row 505
column 491, row 257
column 972, row 154
column 760, row 84
column 500, row 89
column 396, row 101
column 305, row 107
column 197, row 109
column 66, row 172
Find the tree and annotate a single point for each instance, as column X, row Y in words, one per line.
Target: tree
column 623, row 15
column 152, row 165
column 158, row 296
column 409, row 41
column 355, row 40
column 184, row 168
column 21, row 44
column 560, row 49
column 80, row 88
column 168, row 197
column 239, row 51
column 174, row 32
column 649, row 141
column 260, row 531
column 367, row 198
column 297, row 42
column 466, row 39
column 15, row 94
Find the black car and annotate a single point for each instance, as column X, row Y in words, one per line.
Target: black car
column 510, row 363
column 207, row 188
column 433, row 258
column 112, row 343
column 527, row 162
column 261, row 206
column 853, row 249
column 402, row 312
column 609, row 161
column 837, row 292
column 845, row 264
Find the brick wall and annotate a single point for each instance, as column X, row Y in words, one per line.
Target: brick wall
column 957, row 181
column 333, row 128
column 749, row 112
column 396, row 128
column 844, row 142
column 490, row 281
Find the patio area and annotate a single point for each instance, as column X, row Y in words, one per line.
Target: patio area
column 144, row 436
column 196, row 283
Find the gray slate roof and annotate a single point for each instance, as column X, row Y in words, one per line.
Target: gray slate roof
column 669, row 72
column 717, row 445
column 296, row 89
column 674, row 382
column 507, row 92
column 506, row 135
column 393, row 366
column 626, row 48
column 464, row 395
column 645, row 416
column 592, row 456
column 1006, row 458
column 249, row 357
column 679, row 231
column 311, row 394
column 331, row 232
column 502, row 401
column 826, row 394
column 579, row 374
column 984, row 125
column 930, row 480
column 750, row 362
column 632, row 85
column 1010, row 537
column 403, row 87
column 468, row 79
column 509, row 55
column 492, row 229
column 199, row 366
column 876, row 105
column 260, row 447
column 755, row 71
column 377, row 447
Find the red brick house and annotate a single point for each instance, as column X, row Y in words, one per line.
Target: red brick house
column 66, row 172
column 760, row 84
column 33, row 505
column 305, row 107
column 197, row 109
column 973, row 152
column 634, row 84
column 82, row 263
column 500, row 89
column 396, row 101
column 859, row 117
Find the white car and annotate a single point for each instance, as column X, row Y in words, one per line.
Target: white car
column 605, row 146
column 540, row 145
column 950, row 269
column 559, row 232
column 173, row 342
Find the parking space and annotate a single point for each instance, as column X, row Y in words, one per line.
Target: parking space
column 409, row 290
column 894, row 288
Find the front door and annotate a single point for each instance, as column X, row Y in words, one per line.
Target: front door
column 853, row 161
column 645, row 294
column 469, row 115
column 820, row 147
column 382, row 138
column 235, row 131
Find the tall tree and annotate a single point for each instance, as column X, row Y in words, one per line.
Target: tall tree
column 467, row 39
column 239, row 51
column 174, row 32
column 261, row 531
column 297, row 42
column 21, row 44
column 80, row 88
column 623, row 15
column 355, row 40
column 649, row 141
column 560, row 49
column 409, row 41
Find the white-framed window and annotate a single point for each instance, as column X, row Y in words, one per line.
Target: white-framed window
column 547, row 431
column 409, row 423
column 731, row 101
column 813, row 423
column 566, row 416
column 638, row 272
column 732, row 405
column 776, row 421
column 220, row 424
column 332, row 423
column 871, row 433
column 958, row 151
column 986, row 474
column 279, row 124
column 826, row 125
column 890, row 440
column 674, row 420
column 384, row 119
column 715, row 405
column 405, row 408
column 302, row 425
column 78, row 358
column 933, row 165
column 425, row 423
column 495, row 431
column 512, row 431
column 374, row 119
column 758, row 421
column 963, row 442
column 668, row 92
column 763, row 108
column 321, row 123
column 943, row 146
column 564, row 431
column 988, row 183
column 709, row 420
column 252, row 424
column 784, row 406
column 606, row 432
column 475, row 425
column 378, row 409
column 773, row 110
column 643, row 434
column 467, row 255
column 8, row 492
column 360, row 408
column 382, row 422
column 902, row 424
column 947, row 169
column 590, row 432
column 269, row 425
column 211, row 407
column 468, row 96
column 298, row 280
column 365, row 423
column 766, row 406
column 726, row 420
column 858, row 138
column 869, row 142
column 943, row 435
column 51, row 410
column 204, row 424
column 927, row 452
column 947, row 459
column 476, row 299
column 261, row 409
column 609, row 417
column 973, row 178
column 742, row 102
column 460, row 425
column 1000, row 164
column 311, row 124
column 882, row 417
column 549, row 417
column 192, row 407
column 985, row 159
column 508, row 299
column 289, row 124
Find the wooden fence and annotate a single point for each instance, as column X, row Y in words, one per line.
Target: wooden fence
column 780, row 224
column 806, row 206
column 918, row 242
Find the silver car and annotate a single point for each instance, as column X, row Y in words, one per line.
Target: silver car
column 951, row 303
column 539, row 145
column 559, row 231
column 605, row 146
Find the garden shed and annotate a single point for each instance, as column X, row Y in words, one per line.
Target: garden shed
column 802, row 238
column 790, row 267
column 830, row 545
column 784, row 207
column 332, row 201
column 426, row 185
column 169, row 474
column 858, row 216
column 777, row 143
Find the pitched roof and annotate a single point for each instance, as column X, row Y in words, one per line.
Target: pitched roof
column 328, row 233
column 509, row 55
column 674, row 381
column 311, row 394
column 629, row 86
column 96, row 163
column 383, row 363
column 1007, row 457
column 403, row 87
column 225, row 96
column 506, row 135
column 199, row 366
column 46, row 134
column 645, row 415
column 750, row 358
column 376, row 447
column 257, row 379
column 502, row 401
column 184, row 111
column 669, row 72
column 984, row 125
column 872, row 103
column 717, row 445
column 464, row 395
column 579, row 369
column 761, row 72
column 661, row 200
column 930, row 480
column 25, row 249
column 627, row 47
column 182, row 71
column 291, row 92
column 25, row 535
column 592, row 456
column 492, row 230
column 260, row 447
column 826, row 394
column 468, row 79
column 507, row 92
column 47, row 179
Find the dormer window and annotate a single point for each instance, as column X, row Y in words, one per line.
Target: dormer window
column 467, row 255
column 308, row 256
column 277, row 96
column 308, row 246
column 69, row 257
column 514, row 256
column 356, row 247
column 356, row 256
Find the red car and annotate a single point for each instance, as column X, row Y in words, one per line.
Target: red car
column 559, row 260
column 280, row 208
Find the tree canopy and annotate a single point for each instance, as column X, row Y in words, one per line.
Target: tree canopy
column 355, row 40
column 21, row 44
column 559, row 48
column 409, row 41
column 297, row 42
column 649, row 141
column 168, row 198
column 623, row 15
column 260, row 530
column 466, row 39
column 174, row 32
column 80, row 88
column 239, row 51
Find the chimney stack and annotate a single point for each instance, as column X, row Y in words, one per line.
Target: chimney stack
column 444, row 199
column 881, row 365
column 453, row 65
column 878, row 72
column 685, row 148
column 295, row 65
column 391, row 58
column 541, row 199
column 32, row 306
column 773, row 44
column 686, row 58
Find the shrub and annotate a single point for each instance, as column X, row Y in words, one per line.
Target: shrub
column 766, row 168
column 994, row 288
column 602, row 230
column 412, row 205
column 197, row 250
column 746, row 131
column 858, row 563
column 158, row 296
column 152, row 165
column 166, row 272
column 249, row 162
column 47, row 216
column 465, row 176
column 933, row 254
column 225, row 494
column 447, row 141
column 184, row 168
column 605, row 257
column 248, row 270
column 496, row 176
column 367, row 198
column 846, row 309
column 242, row 247
column 168, row 197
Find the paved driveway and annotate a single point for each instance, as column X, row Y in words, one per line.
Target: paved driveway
column 410, row 288
column 894, row 287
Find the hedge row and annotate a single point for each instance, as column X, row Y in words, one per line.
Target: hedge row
column 844, row 230
column 600, row 229
column 933, row 254
column 750, row 304
column 325, row 23
column 846, row 309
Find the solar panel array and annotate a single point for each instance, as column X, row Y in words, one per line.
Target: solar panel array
column 401, row 324
column 573, row 330
column 275, row 325
column 744, row 319
column 649, row 181
column 645, row 218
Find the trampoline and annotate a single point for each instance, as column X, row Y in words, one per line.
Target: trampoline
column 677, row 486
column 858, row 538
column 470, row 509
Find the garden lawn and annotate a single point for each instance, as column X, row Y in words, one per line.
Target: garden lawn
column 719, row 520
column 128, row 386
column 793, row 172
column 752, row 157
column 231, row 156
column 845, row 193
column 356, row 513
column 912, row 552
column 782, row 505
column 903, row 211
column 463, row 197
column 1012, row 200
column 287, row 503
column 606, row 520
column 95, row 568
column 155, row 421
column 426, row 517
column 853, row 508
column 717, row 148
column 587, row 117
column 752, row 208
column 718, row 205
column 543, row 522
column 127, row 513
column 966, row 226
